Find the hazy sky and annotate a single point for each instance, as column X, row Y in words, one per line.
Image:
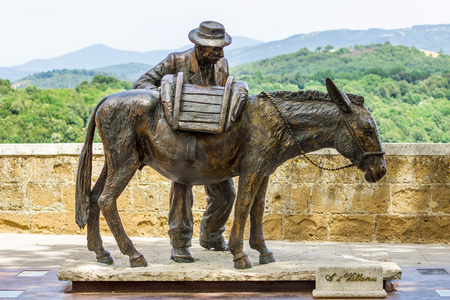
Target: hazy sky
column 49, row 28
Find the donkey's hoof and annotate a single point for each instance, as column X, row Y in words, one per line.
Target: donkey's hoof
column 138, row 261
column 266, row 257
column 242, row 262
column 181, row 255
column 105, row 258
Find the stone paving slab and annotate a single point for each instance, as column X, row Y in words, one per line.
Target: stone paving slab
column 19, row 252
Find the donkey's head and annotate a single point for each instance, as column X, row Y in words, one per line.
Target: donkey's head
column 357, row 138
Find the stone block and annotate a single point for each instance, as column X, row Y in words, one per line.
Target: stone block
column 54, row 223
column 390, row 228
column 305, row 228
column 283, row 174
column 277, row 195
column 97, row 166
column 199, row 198
column 328, row 198
column 434, row 229
column 368, row 198
column 163, row 204
column 197, row 218
column 344, row 176
column 125, row 201
column 161, row 226
column 146, row 198
column 65, row 167
column 410, row 198
column 41, row 171
column 12, row 197
column 351, row 228
column 300, row 198
column 10, row 169
column 399, row 169
column 138, row 223
column 273, row 227
column 19, row 169
column 432, row 169
column 302, row 172
column 68, row 196
column 440, row 199
column 44, row 196
column 15, row 222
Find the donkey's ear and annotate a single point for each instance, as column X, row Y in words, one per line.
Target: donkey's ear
column 338, row 96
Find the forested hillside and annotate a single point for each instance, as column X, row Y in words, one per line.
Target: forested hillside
column 407, row 92
column 33, row 115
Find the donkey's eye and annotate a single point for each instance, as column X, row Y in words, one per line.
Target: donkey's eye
column 368, row 130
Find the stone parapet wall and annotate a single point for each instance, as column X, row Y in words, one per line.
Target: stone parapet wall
column 411, row 204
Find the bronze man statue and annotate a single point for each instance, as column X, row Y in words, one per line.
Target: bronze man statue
column 203, row 65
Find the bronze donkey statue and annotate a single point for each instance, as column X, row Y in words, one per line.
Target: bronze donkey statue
column 135, row 133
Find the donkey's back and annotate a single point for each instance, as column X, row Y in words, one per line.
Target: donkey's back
column 135, row 119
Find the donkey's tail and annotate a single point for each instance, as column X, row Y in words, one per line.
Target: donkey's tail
column 83, row 184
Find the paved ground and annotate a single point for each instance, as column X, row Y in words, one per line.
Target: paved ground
column 29, row 263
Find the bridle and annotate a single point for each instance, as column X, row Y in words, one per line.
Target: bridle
column 358, row 142
column 350, row 129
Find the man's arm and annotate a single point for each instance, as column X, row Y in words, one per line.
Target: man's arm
column 224, row 69
column 152, row 78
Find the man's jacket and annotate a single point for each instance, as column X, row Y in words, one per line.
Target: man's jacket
column 185, row 62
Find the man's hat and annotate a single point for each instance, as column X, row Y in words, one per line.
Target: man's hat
column 210, row 33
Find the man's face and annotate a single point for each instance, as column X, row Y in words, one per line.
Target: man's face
column 210, row 54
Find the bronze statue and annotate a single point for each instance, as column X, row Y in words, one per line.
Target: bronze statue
column 202, row 65
column 272, row 128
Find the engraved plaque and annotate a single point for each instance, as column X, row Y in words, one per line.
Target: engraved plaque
column 350, row 280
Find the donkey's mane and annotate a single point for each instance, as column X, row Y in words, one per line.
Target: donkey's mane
column 310, row 95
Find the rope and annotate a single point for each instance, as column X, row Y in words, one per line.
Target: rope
column 297, row 142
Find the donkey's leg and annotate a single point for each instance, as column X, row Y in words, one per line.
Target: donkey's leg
column 120, row 172
column 94, row 240
column 219, row 205
column 257, row 241
column 249, row 184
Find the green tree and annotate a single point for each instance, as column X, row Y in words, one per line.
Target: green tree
column 328, row 48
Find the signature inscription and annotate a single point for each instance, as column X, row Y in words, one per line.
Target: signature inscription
column 351, row 277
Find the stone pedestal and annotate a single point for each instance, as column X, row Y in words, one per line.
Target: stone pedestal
column 295, row 269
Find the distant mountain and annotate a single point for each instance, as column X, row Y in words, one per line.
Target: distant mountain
column 57, row 79
column 129, row 72
column 12, row 73
column 242, row 42
column 63, row 79
column 427, row 37
column 99, row 56
column 92, row 57
column 243, row 50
